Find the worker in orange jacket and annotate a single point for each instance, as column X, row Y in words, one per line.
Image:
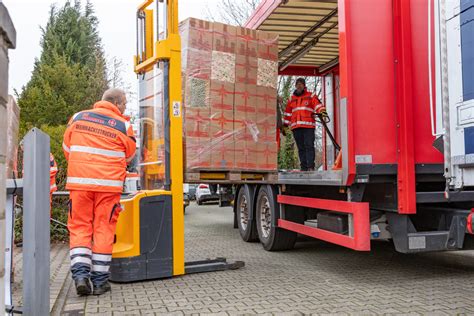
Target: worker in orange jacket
column 299, row 116
column 98, row 144
column 53, row 170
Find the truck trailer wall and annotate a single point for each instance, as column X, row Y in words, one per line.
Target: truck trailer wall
column 369, row 83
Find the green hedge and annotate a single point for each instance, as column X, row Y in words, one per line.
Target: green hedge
column 60, row 206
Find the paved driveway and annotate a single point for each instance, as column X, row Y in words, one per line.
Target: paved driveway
column 316, row 277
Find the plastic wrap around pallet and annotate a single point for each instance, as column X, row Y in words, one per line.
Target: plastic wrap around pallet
column 13, row 125
column 229, row 96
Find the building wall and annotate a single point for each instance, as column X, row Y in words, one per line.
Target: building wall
column 7, row 41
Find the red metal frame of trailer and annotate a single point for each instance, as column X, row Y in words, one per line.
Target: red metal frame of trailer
column 384, row 106
column 360, row 239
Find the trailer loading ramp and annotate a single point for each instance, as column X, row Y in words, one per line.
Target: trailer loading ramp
column 329, row 177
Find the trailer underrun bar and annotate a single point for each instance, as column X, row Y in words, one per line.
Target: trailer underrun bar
column 359, row 239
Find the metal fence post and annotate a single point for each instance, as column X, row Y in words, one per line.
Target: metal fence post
column 36, row 237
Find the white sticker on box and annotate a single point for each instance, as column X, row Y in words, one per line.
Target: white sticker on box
column 176, row 109
column 267, row 73
column 223, row 67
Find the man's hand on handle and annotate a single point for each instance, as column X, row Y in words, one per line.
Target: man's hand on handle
column 322, row 115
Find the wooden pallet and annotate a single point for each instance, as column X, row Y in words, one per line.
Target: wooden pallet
column 230, row 177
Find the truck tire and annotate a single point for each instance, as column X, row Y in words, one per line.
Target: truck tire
column 234, row 206
column 245, row 218
column 267, row 214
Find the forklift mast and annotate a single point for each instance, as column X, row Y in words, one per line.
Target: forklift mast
column 158, row 67
column 149, row 239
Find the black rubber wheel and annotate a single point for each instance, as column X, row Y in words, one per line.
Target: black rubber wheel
column 266, row 211
column 245, row 218
column 198, row 202
column 234, row 209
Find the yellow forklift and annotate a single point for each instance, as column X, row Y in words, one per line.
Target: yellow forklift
column 149, row 240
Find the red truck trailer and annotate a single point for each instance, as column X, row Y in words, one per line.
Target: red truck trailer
column 381, row 62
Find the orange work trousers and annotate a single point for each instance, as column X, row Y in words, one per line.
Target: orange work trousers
column 91, row 222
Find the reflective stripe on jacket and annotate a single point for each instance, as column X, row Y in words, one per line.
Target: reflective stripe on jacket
column 98, row 143
column 300, row 109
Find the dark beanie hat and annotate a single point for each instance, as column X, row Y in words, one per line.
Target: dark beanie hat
column 301, row 80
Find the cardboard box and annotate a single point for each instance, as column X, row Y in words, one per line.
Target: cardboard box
column 196, row 64
column 267, row 102
column 196, row 34
column 247, row 42
column 197, row 122
column 195, row 156
column 251, row 155
column 267, row 156
column 267, row 45
column 245, row 98
column 224, row 37
column 246, row 69
column 239, row 126
column 239, row 151
column 222, row 96
column 222, row 123
column 222, row 152
column 222, row 138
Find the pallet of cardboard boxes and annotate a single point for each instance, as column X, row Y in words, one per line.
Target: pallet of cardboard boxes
column 229, row 97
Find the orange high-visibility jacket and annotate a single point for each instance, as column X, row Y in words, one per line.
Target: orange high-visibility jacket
column 53, row 170
column 300, row 109
column 98, row 143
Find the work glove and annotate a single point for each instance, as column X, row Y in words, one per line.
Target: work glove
column 322, row 115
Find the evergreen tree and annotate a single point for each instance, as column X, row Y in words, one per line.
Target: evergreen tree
column 287, row 157
column 70, row 74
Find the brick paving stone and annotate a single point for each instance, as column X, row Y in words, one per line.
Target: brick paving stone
column 128, row 313
column 72, row 307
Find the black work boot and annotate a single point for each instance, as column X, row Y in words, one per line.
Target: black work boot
column 101, row 289
column 83, row 287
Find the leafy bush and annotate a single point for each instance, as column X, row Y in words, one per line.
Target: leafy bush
column 59, row 207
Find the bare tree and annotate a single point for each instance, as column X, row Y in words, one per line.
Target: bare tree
column 115, row 76
column 115, row 73
column 233, row 12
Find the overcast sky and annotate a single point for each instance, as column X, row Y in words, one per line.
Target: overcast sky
column 116, row 26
